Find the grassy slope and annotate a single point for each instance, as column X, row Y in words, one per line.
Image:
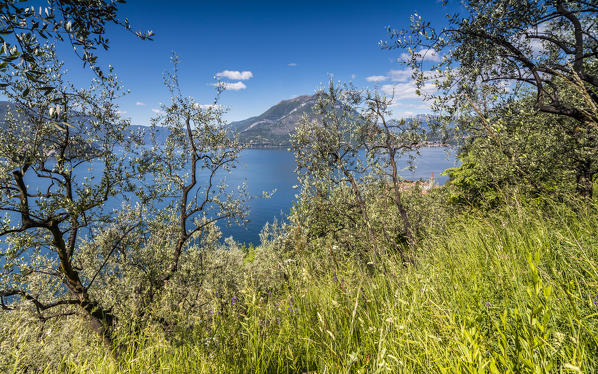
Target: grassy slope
column 514, row 292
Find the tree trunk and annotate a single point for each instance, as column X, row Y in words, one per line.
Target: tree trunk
column 101, row 320
column 406, row 223
column 371, row 236
column 585, row 176
column 399, row 203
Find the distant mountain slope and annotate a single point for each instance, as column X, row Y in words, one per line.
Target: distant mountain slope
column 273, row 127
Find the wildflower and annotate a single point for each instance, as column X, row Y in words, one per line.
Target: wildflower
column 233, row 300
column 487, row 304
column 292, row 305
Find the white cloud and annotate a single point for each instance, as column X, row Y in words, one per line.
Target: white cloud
column 414, row 105
column 235, row 75
column 400, row 75
column 394, row 75
column 407, row 90
column 231, row 86
column 353, row 76
column 530, row 39
column 292, row 64
column 157, row 111
column 139, row 103
column 424, row 54
column 400, row 91
column 376, row 78
column 403, row 89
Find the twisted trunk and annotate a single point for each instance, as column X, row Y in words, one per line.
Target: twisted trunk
column 101, row 320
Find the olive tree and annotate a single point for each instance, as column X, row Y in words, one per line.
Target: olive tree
column 62, row 158
column 96, row 224
column 390, row 139
column 491, row 50
column 329, row 150
column 354, row 142
column 189, row 174
column 528, row 153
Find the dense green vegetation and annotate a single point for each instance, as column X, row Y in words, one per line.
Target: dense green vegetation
column 516, row 290
column 497, row 271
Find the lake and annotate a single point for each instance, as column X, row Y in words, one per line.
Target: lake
column 269, row 169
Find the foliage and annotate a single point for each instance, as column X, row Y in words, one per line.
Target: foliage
column 525, row 303
column 327, row 149
column 50, row 139
column 187, row 169
column 390, row 140
column 491, row 51
column 68, row 251
column 501, row 269
column 348, row 149
column 82, row 23
column 521, row 151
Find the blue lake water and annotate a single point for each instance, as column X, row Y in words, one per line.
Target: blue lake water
column 269, row 169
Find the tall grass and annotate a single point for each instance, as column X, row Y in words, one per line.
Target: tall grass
column 516, row 291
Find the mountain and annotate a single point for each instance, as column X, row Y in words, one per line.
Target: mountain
column 273, row 127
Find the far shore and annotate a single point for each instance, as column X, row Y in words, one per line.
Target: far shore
column 288, row 145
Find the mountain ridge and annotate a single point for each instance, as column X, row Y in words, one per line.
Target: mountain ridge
column 273, row 127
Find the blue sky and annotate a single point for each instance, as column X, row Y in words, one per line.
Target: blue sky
column 272, row 50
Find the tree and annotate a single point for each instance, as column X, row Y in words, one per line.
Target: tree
column 68, row 251
column 494, row 49
column 327, row 150
column 389, row 140
column 186, row 170
column 530, row 153
column 81, row 22
column 50, row 202
column 354, row 143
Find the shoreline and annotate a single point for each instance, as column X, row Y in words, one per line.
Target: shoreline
column 279, row 146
